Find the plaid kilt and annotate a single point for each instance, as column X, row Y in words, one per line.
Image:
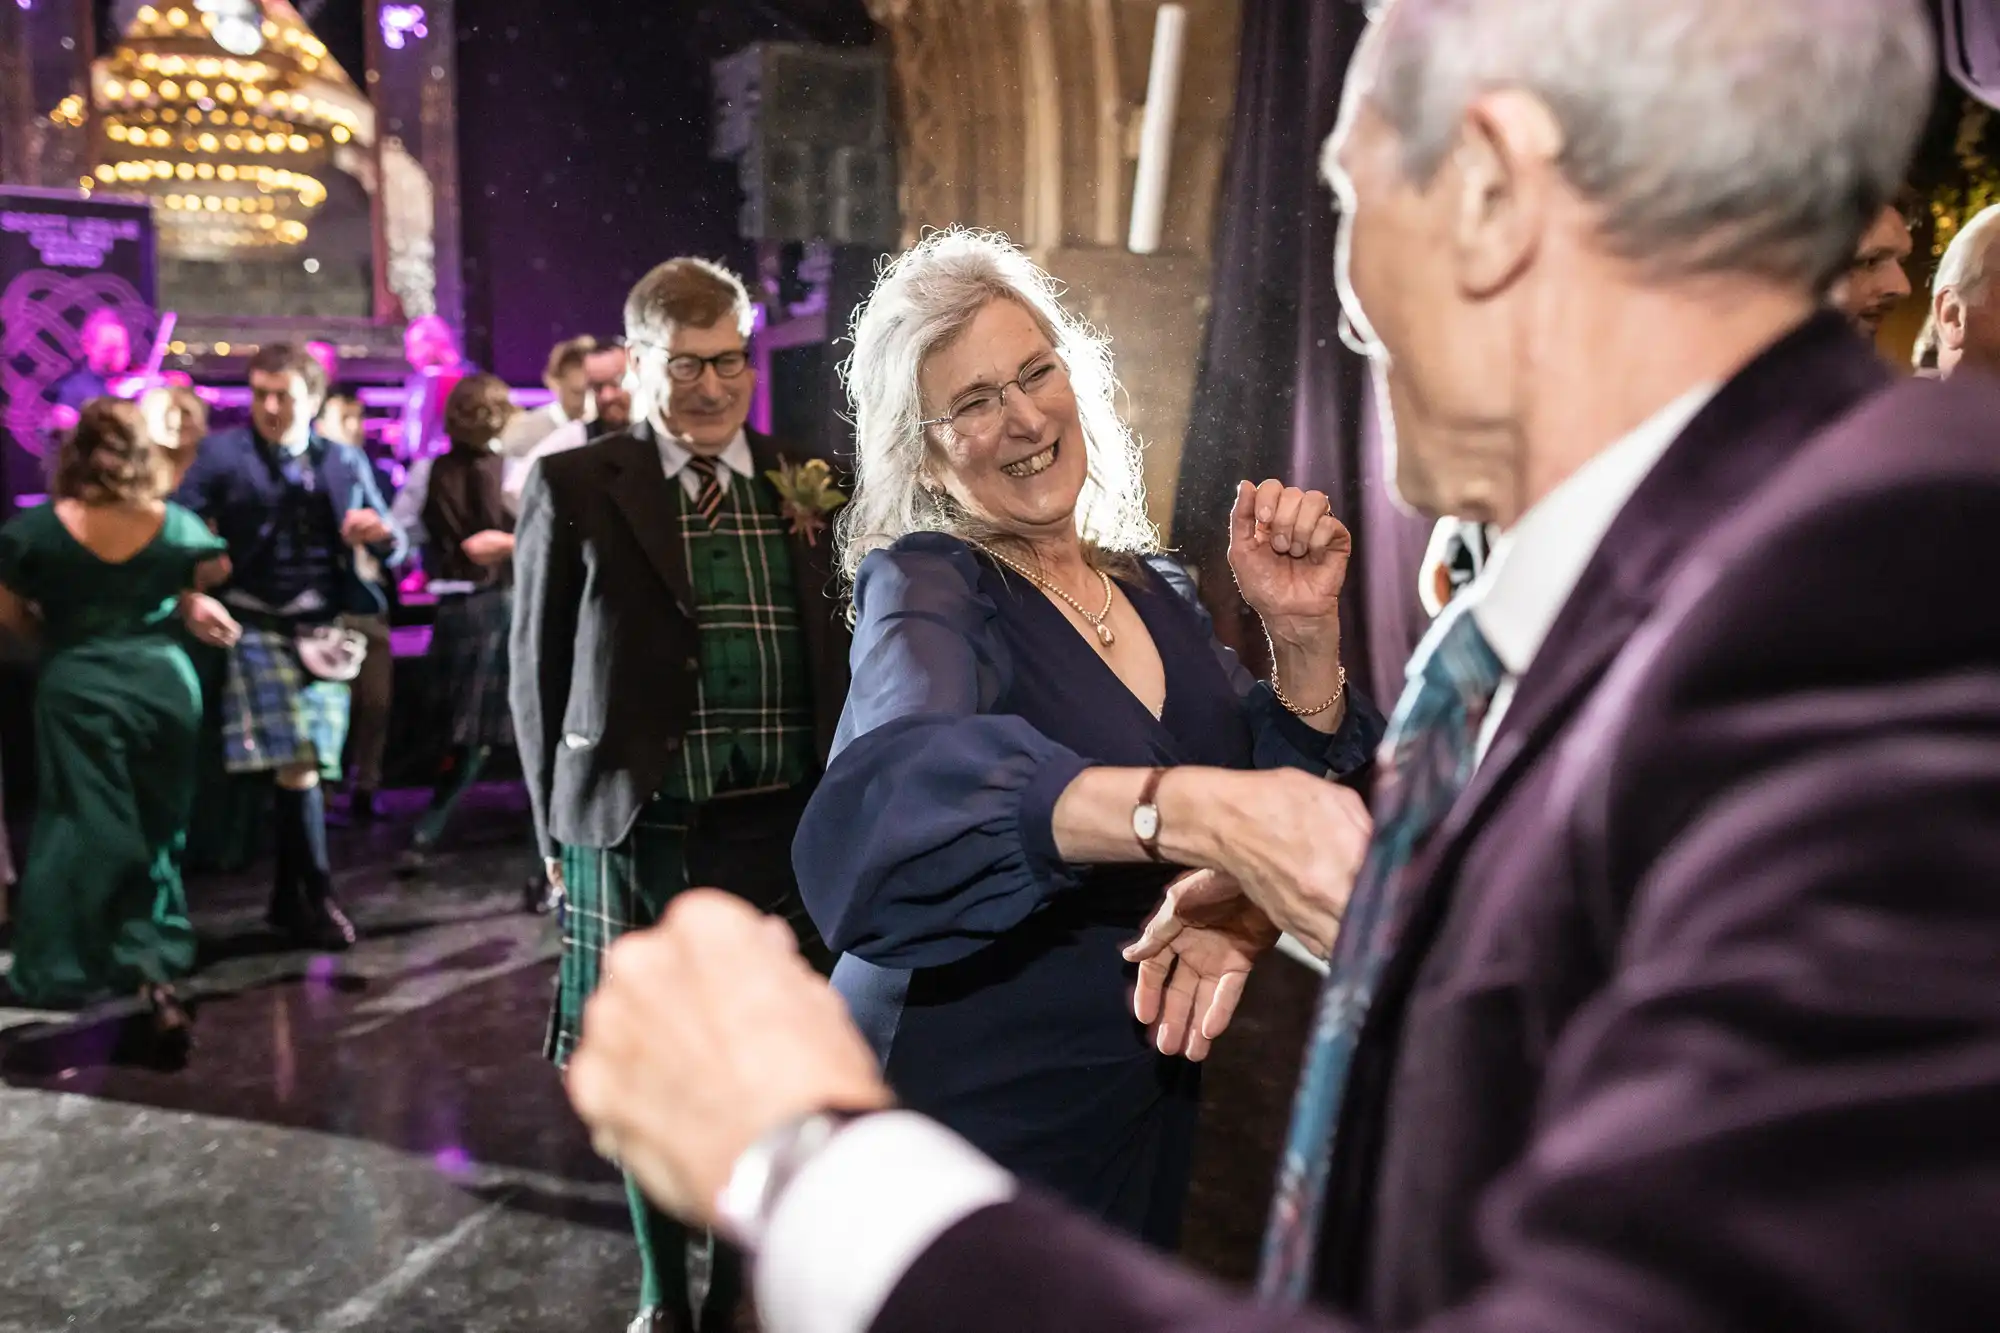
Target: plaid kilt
column 606, row 893
column 276, row 714
column 469, row 656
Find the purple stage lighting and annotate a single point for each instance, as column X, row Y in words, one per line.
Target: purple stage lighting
column 401, row 23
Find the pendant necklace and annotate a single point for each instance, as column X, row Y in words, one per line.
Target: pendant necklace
column 1101, row 622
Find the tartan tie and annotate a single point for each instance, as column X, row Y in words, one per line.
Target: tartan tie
column 1426, row 759
column 708, row 501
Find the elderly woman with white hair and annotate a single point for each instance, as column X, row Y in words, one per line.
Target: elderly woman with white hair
column 1042, row 727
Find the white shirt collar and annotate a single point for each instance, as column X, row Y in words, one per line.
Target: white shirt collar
column 734, row 459
column 1535, row 564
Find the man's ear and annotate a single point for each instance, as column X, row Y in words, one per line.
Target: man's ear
column 1505, row 175
column 1948, row 312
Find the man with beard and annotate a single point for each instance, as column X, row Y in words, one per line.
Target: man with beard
column 678, row 670
column 1876, row 282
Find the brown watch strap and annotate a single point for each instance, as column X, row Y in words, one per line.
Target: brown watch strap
column 1149, row 795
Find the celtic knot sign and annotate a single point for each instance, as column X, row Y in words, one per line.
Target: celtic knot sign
column 62, row 259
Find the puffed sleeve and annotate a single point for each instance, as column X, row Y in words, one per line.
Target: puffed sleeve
column 1279, row 738
column 192, row 540
column 932, row 832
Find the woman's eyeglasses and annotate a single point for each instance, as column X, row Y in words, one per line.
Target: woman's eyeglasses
column 1350, row 338
column 979, row 413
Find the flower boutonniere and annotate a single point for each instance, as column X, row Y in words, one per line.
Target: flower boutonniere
column 806, row 495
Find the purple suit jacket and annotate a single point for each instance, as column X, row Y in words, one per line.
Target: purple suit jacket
column 1696, row 1024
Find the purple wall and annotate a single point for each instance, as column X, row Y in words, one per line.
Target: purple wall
column 584, row 136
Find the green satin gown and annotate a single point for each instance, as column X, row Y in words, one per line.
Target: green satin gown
column 100, row 909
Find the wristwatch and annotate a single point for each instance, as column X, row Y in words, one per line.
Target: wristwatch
column 743, row 1208
column 1146, row 816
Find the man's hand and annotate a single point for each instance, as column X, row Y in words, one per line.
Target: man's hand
column 364, row 527
column 490, row 547
column 552, row 865
column 209, row 620
column 1294, row 843
column 1193, row 960
column 708, row 1032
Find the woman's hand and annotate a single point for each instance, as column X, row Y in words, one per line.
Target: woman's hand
column 1194, row 959
column 1290, row 556
column 209, row 620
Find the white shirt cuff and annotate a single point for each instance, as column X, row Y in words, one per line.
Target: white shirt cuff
column 853, row 1221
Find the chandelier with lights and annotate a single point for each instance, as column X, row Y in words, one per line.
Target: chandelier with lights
column 227, row 114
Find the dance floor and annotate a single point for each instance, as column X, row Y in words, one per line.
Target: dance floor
column 372, row 1141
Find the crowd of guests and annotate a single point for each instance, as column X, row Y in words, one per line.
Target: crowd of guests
column 1657, row 916
column 301, row 551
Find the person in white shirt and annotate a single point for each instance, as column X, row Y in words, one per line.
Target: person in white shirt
column 610, row 400
column 1672, row 959
column 564, row 378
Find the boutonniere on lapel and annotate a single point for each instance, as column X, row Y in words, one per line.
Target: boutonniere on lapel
column 806, row 495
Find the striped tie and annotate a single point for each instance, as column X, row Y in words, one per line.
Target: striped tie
column 708, row 500
column 1426, row 760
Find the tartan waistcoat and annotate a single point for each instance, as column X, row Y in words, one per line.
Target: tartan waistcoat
column 753, row 720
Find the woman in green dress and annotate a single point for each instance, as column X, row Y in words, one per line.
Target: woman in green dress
column 99, row 575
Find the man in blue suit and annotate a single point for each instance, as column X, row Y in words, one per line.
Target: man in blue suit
column 295, row 508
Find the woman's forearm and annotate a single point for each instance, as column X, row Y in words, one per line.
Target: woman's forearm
column 1307, row 675
column 1093, row 816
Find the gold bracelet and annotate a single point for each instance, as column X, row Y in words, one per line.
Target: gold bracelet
column 1338, row 690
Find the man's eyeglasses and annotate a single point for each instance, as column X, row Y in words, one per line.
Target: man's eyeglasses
column 979, row 413
column 686, row 369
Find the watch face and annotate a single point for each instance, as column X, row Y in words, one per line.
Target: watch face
column 1146, row 822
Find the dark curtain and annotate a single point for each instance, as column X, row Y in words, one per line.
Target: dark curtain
column 1277, row 394
column 584, row 155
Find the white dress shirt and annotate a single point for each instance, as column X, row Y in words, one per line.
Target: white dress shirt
column 529, row 429
column 1535, row 564
column 857, row 1216
column 734, row 460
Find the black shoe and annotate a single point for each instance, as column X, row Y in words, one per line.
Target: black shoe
column 361, row 807
column 413, row 863
column 172, row 1037
column 539, row 897
column 653, row 1319
column 323, row 929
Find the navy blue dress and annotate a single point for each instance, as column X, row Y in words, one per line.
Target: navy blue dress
column 985, row 970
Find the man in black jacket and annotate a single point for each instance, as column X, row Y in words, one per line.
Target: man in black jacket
column 679, row 666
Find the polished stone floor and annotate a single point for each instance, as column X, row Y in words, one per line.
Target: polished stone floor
column 372, row 1141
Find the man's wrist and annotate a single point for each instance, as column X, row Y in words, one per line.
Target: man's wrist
column 764, row 1170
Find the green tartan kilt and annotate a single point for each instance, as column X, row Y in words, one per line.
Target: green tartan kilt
column 607, row 892
column 275, row 713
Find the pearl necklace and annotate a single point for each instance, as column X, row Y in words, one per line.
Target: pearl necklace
column 1099, row 622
